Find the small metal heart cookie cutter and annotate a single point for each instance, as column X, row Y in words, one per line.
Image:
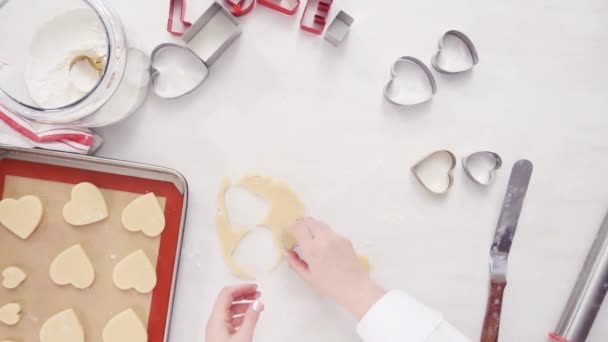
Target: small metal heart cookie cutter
column 393, row 99
column 450, row 171
column 467, row 41
column 497, row 160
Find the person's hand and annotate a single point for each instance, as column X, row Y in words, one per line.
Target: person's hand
column 328, row 263
column 235, row 315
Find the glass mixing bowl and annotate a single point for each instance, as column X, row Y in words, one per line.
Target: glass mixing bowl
column 67, row 62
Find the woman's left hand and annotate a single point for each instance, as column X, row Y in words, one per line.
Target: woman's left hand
column 235, row 314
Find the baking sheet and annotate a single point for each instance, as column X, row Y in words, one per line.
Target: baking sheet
column 106, row 243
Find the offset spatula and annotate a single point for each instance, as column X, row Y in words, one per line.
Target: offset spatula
column 503, row 238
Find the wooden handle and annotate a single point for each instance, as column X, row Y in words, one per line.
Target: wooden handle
column 491, row 323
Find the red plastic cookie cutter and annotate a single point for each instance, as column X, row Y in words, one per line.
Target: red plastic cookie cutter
column 319, row 20
column 177, row 5
column 237, row 9
column 276, row 5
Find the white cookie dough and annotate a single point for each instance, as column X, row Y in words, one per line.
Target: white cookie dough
column 86, row 206
column 144, row 214
column 74, row 267
column 125, row 327
column 10, row 314
column 22, row 216
column 12, row 277
column 135, row 271
column 63, row 327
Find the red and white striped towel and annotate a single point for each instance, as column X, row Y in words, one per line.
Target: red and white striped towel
column 18, row 131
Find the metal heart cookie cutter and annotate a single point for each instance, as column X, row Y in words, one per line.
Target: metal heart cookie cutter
column 178, row 70
column 416, row 171
column 455, row 44
column 468, row 164
column 414, row 94
column 338, row 28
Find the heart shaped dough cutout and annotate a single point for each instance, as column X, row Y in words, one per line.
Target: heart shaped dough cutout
column 63, row 327
column 86, row 206
column 74, row 267
column 10, row 314
column 411, row 82
column 22, row 216
column 125, row 327
column 135, row 271
column 144, row 214
column 13, row 277
column 429, row 165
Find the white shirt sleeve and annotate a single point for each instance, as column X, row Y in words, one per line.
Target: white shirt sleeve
column 397, row 317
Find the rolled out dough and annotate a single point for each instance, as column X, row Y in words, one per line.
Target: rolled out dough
column 63, row 327
column 144, row 214
column 135, row 271
column 22, row 216
column 10, row 314
column 74, row 267
column 285, row 209
column 13, row 277
column 125, row 327
column 86, row 206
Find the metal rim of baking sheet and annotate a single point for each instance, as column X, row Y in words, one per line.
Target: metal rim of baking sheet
column 450, row 172
column 467, row 41
column 154, row 73
column 202, row 22
column 333, row 38
column 492, row 173
column 424, row 68
column 119, row 167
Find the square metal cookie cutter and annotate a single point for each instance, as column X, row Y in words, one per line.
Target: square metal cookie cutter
column 339, row 28
column 209, row 22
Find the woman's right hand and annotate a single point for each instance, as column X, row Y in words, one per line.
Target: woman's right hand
column 328, row 263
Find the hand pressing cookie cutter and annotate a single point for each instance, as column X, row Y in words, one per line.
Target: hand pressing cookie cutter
column 431, row 79
column 491, row 174
column 468, row 42
column 177, row 5
column 338, row 28
column 319, row 20
column 194, row 34
column 237, row 8
column 449, row 173
column 276, row 5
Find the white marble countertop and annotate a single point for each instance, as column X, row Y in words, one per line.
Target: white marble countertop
column 284, row 103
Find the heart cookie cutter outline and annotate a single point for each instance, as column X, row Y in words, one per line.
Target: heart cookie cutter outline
column 466, row 40
column 336, row 38
column 492, row 173
column 450, row 174
column 424, row 68
column 154, row 73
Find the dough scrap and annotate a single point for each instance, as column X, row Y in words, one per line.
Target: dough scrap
column 74, row 267
column 10, row 314
column 86, row 206
column 22, row 216
column 13, row 277
column 125, row 327
column 63, row 327
column 285, row 209
column 144, row 214
column 135, row 271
